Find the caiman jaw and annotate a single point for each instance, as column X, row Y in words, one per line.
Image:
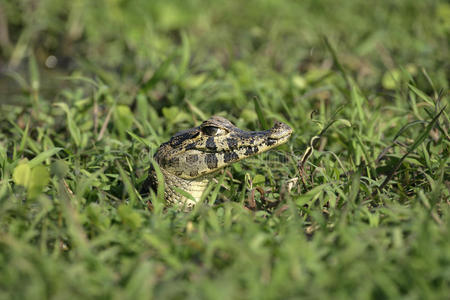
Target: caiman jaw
column 191, row 155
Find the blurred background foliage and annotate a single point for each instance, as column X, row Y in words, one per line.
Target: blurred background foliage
column 219, row 54
column 89, row 88
column 285, row 37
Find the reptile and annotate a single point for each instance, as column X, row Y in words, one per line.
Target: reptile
column 190, row 158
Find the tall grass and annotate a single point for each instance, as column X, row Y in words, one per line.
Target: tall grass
column 355, row 205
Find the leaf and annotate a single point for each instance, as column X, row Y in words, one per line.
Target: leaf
column 129, row 216
column 139, row 139
column 311, row 195
column 161, row 183
column 123, row 118
column 128, row 184
column 354, row 188
column 170, row 113
column 39, row 177
column 216, row 187
column 425, row 132
column 184, row 193
column 391, row 79
column 158, row 75
column 336, row 61
column 142, row 107
column 23, row 141
column 33, row 179
column 421, row 94
column 73, row 128
column 259, row 179
column 22, row 174
column 59, row 168
column 194, row 81
column 299, row 82
column 344, row 122
column 418, row 141
column 185, row 53
column 197, row 111
column 260, row 114
column 34, row 73
column 43, row 156
column 399, row 133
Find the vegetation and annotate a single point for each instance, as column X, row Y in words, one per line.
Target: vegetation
column 89, row 89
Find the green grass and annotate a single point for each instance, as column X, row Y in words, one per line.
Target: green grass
column 364, row 86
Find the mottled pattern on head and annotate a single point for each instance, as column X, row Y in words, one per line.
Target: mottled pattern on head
column 214, row 144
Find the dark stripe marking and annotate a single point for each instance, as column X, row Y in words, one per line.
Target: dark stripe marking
column 210, row 144
column 180, row 138
column 232, row 143
column 192, row 158
column 230, row 156
column 251, row 150
column 270, row 142
column 174, row 162
column 211, row 160
column 191, row 146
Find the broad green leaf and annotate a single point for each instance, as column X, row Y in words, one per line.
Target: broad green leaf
column 259, row 179
column 299, row 81
column 34, row 179
column 170, row 112
column 391, row 79
column 39, row 177
column 124, row 117
column 59, row 168
column 22, row 174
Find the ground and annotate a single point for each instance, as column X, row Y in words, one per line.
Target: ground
column 89, row 89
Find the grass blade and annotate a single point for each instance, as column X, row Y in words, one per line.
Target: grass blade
column 158, row 75
column 418, row 141
column 260, row 114
column 43, row 156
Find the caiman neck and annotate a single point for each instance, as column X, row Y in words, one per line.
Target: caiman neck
column 194, row 187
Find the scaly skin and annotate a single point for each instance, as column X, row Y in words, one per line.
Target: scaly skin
column 189, row 159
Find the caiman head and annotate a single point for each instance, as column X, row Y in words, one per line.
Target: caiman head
column 188, row 158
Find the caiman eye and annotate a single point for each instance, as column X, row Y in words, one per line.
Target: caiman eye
column 213, row 130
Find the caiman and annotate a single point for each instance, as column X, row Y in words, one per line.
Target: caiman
column 189, row 159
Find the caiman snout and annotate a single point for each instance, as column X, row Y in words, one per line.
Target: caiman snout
column 280, row 130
